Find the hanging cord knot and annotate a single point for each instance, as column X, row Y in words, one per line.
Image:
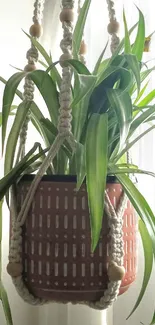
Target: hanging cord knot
column 38, row 11
column 28, row 94
column 114, row 42
column 15, row 245
column 65, row 117
column 69, row 4
column 113, row 26
column 32, row 55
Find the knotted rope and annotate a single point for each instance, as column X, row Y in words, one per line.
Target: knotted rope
column 64, row 133
column 113, row 26
column 32, row 58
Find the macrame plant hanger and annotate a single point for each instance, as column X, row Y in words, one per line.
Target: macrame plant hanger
column 115, row 268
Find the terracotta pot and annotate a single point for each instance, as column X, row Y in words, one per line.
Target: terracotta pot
column 57, row 259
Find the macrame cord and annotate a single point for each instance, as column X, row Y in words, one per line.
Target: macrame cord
column 113, row 26
column 32, row 57
column 115, row 220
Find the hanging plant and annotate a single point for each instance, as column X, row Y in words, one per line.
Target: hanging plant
column 86, row 145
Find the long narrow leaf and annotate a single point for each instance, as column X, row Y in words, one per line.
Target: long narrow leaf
column 134, row 66
column 131, row 144
column 3, row 295
column 141, row 93
column 85, row 84
column 126, row 170
column 79, row 67
column 148, row 262
column 13, row 135
column 17, row 171
column 141, row 119
column 79, row 28
column 153, row 320
column 8, row 96
column 138, row 46
column 48, row 90
column 118, row 100
column 54, row 72
column 53, row 130
column 6, row 306
column 98, row 63
column 141, row 206
column 148, row 99
column 80, row 164
column 96, row 171
column 127, row 45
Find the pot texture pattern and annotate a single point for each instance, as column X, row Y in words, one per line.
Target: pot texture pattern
column 57, row 259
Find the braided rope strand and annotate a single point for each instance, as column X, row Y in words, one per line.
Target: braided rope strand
column 116, row 253
column 64, row 128
column 32, row 58
column 16, row 238
column 112, row 16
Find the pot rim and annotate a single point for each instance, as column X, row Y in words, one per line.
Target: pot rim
column 63, row 178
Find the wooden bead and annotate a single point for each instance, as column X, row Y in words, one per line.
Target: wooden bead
column 30, row 67
column 83, row 48
column 14, row 269
column 115, row 272
column 36, row 30
column 67, row 15
column 113, row 27
column 63, row 58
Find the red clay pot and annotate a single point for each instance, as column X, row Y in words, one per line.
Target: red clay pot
column 57, row 258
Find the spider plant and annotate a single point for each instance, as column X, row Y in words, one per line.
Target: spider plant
column 109, row 106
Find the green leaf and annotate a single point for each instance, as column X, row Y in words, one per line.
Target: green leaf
column 6, row 306
column 141, row 206
column 1, row 206
column 3, row 295
column 17, row 171
column 141, row 93
column 141, row 119
column 148, row 262
column 143, row 76
column 48, row 90
column 127, row 45
column 54, row 72
column 80, row 164
column 127, row 170
column 96, row 171
column 148, row 99
column 8, row 96
column 129, row 145
column 115, row 73
column 79, row 67
column 134, row 66
column 98, row 63
column 13, row 135
column 79, row 28
column 43, row 64
column 53, row 130
column 118, row 101
column 138, row 46
column 36, row 117
column 85, row 84
column 153, row 320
